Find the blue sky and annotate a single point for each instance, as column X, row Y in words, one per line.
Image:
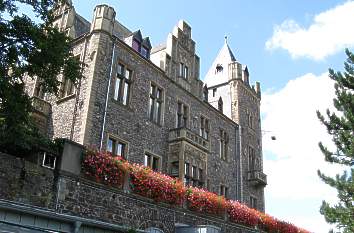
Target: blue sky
column 288, row 47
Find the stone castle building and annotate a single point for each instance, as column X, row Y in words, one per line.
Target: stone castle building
column 149, row 105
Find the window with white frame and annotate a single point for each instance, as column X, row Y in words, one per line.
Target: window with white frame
column 49, row 160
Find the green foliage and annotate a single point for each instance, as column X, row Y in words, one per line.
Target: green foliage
column 29, row 49
column 340, row 125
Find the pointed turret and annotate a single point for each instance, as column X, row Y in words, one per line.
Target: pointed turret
column 218, row 72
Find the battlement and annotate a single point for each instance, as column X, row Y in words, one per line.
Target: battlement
column 236, row 71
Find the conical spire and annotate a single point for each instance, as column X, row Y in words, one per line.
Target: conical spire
column 218, row 72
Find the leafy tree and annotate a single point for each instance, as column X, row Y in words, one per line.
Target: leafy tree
column 340, row 125
column 29, row 48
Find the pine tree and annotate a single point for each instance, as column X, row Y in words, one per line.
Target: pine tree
column 29, row 47
column 340, row 125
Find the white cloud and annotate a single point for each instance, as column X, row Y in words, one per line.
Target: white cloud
column 291, row 162
column 330, row 32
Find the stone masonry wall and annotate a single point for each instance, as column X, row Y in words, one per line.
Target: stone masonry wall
column 25, row 182
column 31, row 184
column 245, row 102
column 131, row 123
column 94, row 201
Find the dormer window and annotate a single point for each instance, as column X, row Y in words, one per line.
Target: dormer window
column 144, row 52
column 139, row 44
column 136, row 45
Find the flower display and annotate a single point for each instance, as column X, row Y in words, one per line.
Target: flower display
column 242, row 214
column 203, row 201
column 267, row 222
column 110, row 170
column 156, row 185
column 105, row 168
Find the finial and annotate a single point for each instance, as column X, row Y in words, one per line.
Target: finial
column 225, row 39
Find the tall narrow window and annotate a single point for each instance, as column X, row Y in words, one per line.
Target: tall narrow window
column 200, row 177
column 122, row 84
column 38, row 90
column 253, row 202
column 223, row 190
column 181, row 65
column 136, row 45
column 185, row 73
column 204, row 128
column 155, row 104
column 251, row 159
column 182, row 115
column 66, row 88
column 220, row 105
column 186, row 174
column 224, row 140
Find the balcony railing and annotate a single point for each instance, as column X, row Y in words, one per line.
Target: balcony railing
column 193, row 138
column 258, row 177
column 41, row 106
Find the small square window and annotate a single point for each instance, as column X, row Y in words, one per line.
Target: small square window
column 49, row 160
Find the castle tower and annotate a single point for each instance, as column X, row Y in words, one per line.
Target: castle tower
column 228, row 81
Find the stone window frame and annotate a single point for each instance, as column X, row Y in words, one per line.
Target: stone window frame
column 118, row 140
column 253, row 202
column 118, row 95
column 252, row 158
column 224, row 190
column 38, row 89
column 162, row 103
column 223, row 145
column 185, row 117
column 193, row 178
column 250, row 119
column 206, row 130
column 183, row 71
column 153, row 155
column 67, row 88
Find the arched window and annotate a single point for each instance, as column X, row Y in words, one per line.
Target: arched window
column 220, row 105
column 205, row 93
